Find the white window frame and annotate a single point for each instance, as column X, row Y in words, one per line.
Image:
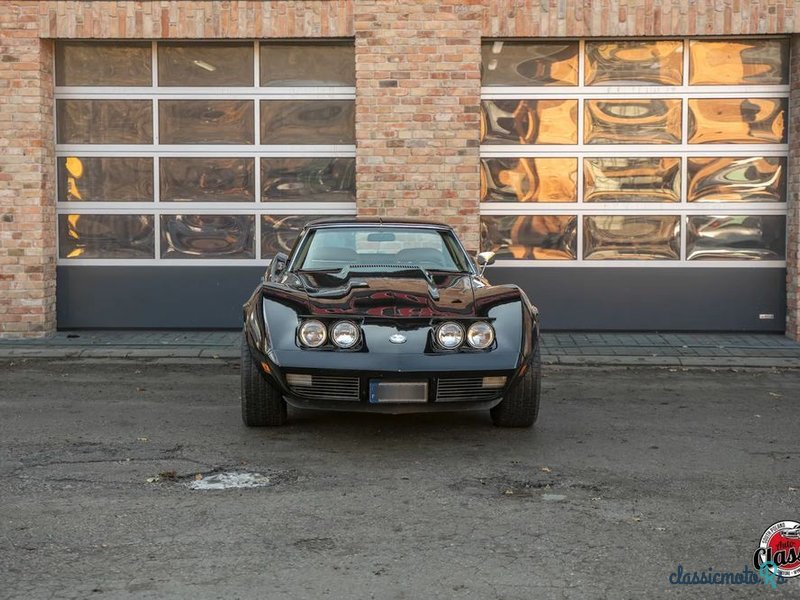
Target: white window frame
column 682, row 209
column 156, row 150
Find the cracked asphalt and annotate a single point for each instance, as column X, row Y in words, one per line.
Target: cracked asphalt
column 628, row 473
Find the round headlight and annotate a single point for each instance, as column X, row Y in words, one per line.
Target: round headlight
column 480, row 335
column 450, row 335
column 313, row 333
column 345, row 334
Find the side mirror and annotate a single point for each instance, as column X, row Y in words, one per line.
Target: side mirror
column 277, row 265
column 484, row 259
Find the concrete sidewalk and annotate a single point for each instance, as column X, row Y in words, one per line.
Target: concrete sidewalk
column 564, row 348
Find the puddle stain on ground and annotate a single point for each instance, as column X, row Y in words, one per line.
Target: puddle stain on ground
column 230, row 480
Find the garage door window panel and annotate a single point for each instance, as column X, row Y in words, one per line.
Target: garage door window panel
column 105, row 179
column 640, row 237
column 318, row 179
column 201, row 64
column 307, row 122
column 207, row 236
column 636, row 179
column 738, row 237
column 534, row 237
column 737, row 120
column 104, row 64
column 737, row 179
column 739, row 62
column 100, row 236
column 634, row 62
column 516, row 63
column 201, row 179
column 529, row 121
column 307, row 64
column 632, row 121
column 206, row 121
column 529, row 179
column 104, row 121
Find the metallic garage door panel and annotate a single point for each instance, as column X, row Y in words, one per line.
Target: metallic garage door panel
column 680, row 299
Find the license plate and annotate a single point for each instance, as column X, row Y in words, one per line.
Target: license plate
column 397, row 391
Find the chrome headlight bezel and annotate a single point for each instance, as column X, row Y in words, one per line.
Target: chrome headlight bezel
column 449, row 327
column 356, row 334
column 305, row 326
column 487, row 327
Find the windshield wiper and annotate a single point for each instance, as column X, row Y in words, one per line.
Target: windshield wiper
column 433, row 291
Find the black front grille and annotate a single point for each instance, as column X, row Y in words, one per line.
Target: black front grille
column 465, row 389
column 324, row 387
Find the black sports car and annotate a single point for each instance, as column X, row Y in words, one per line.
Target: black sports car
column 387, row 317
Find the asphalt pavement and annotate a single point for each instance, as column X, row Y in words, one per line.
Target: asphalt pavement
column 629, row 475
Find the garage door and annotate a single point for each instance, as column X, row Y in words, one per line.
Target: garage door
column 639, row 184
column 184, row 166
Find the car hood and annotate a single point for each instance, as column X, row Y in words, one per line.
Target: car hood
column 386, row 294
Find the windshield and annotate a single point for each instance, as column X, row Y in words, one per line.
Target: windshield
column 338, row 247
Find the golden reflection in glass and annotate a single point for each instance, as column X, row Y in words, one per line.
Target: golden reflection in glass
column 529, row 179
column 207, row 179
column 106, row 236
column 529, row 63
column 737, row 120
column 634, row 121
column 531, row 237
column 739, row 62
column 104, row 121
column 529, row 121
column 105, row 179
column 104, row 63
column 631, row 237
column 644, row 179
column 206, row 121
column 636, row 62
column 207, row 236
column 736, row 179
column 744, row 237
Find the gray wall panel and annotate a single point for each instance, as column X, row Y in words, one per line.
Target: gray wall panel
column 705, row 299
column 695, row 299
column 153, row 297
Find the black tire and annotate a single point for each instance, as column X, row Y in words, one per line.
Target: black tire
column 262, row 404
column 520, row 407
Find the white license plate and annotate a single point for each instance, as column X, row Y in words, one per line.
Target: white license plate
column 397, row 391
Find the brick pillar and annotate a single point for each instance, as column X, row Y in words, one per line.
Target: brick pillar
column 417, row 111
column 793, row 198
column 27, row 209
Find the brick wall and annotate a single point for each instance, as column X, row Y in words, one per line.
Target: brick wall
column 27, row 209
column 197, row 19
column 793, row 197
column 417, row 111
column 554, row 18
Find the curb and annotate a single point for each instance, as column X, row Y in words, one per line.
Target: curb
column 205, row 354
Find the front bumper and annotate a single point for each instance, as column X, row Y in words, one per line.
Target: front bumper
column 354, row 391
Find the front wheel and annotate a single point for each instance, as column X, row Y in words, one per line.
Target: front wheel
column 520, row 407
column 262, row 403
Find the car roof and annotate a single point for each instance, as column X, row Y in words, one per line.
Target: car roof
column 364, row 221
